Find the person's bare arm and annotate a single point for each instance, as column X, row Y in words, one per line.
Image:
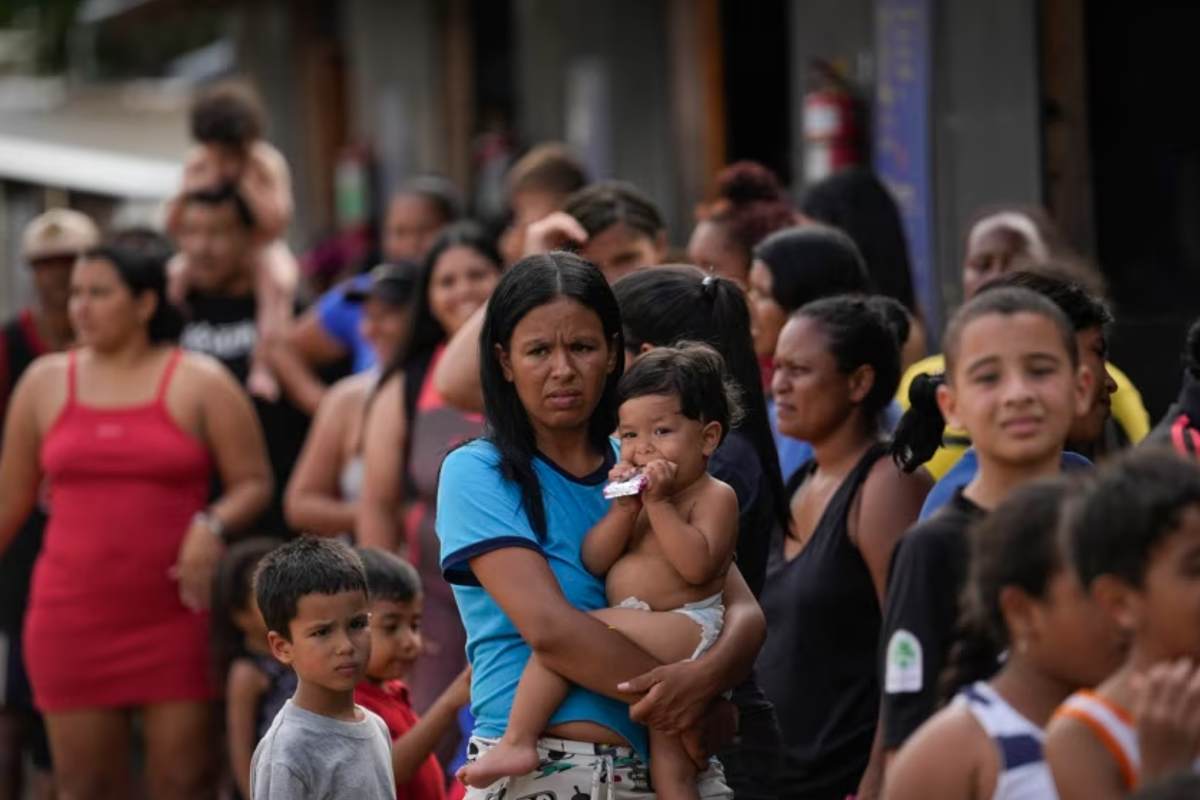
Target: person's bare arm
column 609, row 537
column 293, row 356
column 568, row 641
column 921, row 770
column 243, row 690
column 378, row 521
column 313, row 502
column 678, row 695
column 456, row 376
column 889, row 503
column 698, row 547
column 410, row 750
column 20, row 465
column 1082, row 767
column 232, row 433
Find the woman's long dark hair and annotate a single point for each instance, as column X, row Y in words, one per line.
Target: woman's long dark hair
column 665, row 305
column 533, row 282
column 855, row 201
column 810, row 262
column 426, row 334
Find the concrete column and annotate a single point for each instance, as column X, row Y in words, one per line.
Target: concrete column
column 987, row 119
column 393, row 52
column 596, row 76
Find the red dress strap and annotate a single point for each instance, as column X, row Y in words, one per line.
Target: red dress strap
column 71, row 377
column 165, row 381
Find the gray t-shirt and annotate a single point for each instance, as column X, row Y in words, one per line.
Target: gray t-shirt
column 307, row 756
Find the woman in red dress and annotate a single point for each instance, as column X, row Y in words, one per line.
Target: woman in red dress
column 127, row 431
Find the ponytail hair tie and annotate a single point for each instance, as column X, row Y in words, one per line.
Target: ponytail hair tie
column 708, row 287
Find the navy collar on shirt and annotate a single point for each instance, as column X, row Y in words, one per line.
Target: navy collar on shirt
column 594, row 478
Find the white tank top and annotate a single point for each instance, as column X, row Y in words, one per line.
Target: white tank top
column 1024, row 774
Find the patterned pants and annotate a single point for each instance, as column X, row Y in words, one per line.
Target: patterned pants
column 585, row 771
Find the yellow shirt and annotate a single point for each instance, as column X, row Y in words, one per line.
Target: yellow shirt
column 1127, row 409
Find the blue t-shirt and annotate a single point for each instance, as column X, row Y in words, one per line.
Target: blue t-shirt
column 340, row 317
column 963, row 472
column 479, row 511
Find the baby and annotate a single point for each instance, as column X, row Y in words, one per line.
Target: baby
column 664, row 549
column 227, row 125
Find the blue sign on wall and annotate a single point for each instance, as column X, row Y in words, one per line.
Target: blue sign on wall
column 902, row 133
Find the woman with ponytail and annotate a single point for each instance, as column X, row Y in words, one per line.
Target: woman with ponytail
column 836, row 368
column 680, row 303
column 1021, row 598
column 1014, row 382
column 751, row 204
column 129, row 432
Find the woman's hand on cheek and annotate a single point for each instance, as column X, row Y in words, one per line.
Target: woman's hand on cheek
column 676, row 699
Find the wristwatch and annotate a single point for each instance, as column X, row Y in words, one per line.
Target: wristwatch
column 212, row 522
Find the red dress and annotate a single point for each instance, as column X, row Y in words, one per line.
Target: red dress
column 105, row 627
column 390, row 701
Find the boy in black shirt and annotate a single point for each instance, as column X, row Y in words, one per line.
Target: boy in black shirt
column 1014, row 382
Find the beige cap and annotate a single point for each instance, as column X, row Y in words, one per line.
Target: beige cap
column 58, row 232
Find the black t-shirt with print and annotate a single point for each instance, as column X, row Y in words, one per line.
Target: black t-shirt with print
column 224, row 327
column 920, row 616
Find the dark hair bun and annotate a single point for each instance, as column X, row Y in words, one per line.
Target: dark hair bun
column 894, row 315
column 748, row 182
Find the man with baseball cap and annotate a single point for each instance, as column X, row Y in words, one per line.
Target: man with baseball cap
column 49, row 247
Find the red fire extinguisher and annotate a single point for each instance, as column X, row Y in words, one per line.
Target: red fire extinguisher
column 831, row 128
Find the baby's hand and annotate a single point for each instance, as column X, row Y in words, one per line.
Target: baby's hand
column 660, row 481
column 621, row 471
column 624, row 471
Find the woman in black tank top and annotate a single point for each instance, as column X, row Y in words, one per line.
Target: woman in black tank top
column 837, row 365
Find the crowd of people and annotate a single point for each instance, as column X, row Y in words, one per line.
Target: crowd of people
column 557, row 510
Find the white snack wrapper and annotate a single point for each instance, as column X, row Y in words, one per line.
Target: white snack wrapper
column 625, row 488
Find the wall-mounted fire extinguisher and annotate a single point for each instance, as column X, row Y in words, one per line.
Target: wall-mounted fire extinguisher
column 832, row 133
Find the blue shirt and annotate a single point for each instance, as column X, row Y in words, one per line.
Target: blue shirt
column 963, row 472
column 478, row 511
column 339, row 318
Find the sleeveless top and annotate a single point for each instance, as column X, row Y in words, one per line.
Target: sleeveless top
column 1023, row 774
column 818, row 665
column 124, row 484
column 434, row 428
column 1112, row 725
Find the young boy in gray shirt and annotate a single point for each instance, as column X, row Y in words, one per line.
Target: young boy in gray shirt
column 313, row 597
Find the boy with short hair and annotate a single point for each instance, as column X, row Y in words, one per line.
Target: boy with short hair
column 313, row 596
column 395, row 591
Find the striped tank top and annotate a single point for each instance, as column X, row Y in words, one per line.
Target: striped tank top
column 1112, row 725
column 1023, row 774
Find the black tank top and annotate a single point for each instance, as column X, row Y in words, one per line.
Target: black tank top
column 818, row 664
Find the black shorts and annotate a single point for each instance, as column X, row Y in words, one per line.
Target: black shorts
column 16, row 697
